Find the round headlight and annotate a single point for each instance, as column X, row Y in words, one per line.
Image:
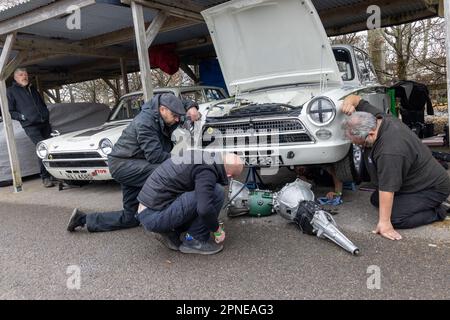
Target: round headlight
column 106, row 146
column 41, row 150
column 321, row 111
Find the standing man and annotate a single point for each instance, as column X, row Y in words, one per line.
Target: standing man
column 27, row 106
column 186, row 195
column 143, row 145
column 411, row 184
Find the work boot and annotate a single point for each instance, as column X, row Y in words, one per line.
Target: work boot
column 48, row 183
column 200, row 247
column 169, row 239
column 77, row 219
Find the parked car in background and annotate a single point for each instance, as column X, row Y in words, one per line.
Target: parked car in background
column 288, row 83
column 64, row 118
column 82, row 155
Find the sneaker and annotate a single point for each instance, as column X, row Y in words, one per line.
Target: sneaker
column 47, row 183
column 446, row 205
column 77, row 219
column 170, row 239
column 200, row 247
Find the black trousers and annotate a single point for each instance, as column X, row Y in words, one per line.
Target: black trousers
column 131, row 174
column 37, row 133
column 411, row 210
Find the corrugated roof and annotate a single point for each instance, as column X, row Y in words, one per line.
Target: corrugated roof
column 22, row 7
column 107, row 16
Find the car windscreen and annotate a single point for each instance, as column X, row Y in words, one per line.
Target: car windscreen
column 127, row 108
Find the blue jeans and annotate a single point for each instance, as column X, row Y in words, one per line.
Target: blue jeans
column 181, row 215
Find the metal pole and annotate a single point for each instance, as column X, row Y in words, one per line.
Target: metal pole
column 447, row 28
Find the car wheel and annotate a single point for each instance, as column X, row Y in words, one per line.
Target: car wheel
column 348, row 169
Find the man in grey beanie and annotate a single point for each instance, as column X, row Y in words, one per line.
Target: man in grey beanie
column 143, row 145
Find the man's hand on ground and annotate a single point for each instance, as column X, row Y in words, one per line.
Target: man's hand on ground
column 219, row 235
column 330, row 195
column 387, row 230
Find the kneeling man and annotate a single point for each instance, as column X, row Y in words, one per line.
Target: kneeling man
column 186, row 195
column 412, row 185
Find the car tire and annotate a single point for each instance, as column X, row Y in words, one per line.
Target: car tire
column 348, row 169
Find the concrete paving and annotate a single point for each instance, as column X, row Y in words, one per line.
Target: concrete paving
column 264, row 258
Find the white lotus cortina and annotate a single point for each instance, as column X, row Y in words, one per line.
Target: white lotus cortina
column 82, row 155
column 288, row 83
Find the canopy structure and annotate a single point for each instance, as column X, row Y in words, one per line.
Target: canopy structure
column 68, row 41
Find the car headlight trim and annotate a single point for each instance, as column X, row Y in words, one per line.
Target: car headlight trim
column 321, row 111
column 105, row 146
column 41, row 150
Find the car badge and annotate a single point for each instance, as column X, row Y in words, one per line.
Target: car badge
column 50, row 157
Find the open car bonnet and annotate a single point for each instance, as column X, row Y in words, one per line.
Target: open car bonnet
column 264, row 43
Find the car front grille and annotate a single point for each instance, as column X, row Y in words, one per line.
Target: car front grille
column 77, row 164
column 260, row 133
column 75, row 155
column 87, row 159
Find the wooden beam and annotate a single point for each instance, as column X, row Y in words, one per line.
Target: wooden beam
column 4, row 107
column 115, row 89
column 155, row 27
column 6, row 51
column 388, row 21
column 441, row 11
column 189, row 72
column 127, row 34
column 36, row 58
column 58, row 95
column 180, row 9
column 13, row 64
column 144, row 59
column 44, row 45
column 194, row 43
column 50, row 11
column 123, row 71
column 39, row 85
column 50, row 95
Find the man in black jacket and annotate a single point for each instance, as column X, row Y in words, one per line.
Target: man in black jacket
column 412, row 185
column 144, row 144
column 185, row 194
column 27, row 106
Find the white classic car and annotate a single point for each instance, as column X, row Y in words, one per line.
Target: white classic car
column 288, row 83
column 82, row 155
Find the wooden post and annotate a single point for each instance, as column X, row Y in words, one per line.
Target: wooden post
column 39, row 86
column 144, row 59
column 10, row 141
column 123, row 69
column 447, row 22
column 58, row 95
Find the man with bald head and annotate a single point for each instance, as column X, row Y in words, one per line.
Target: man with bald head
column 186, row 195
